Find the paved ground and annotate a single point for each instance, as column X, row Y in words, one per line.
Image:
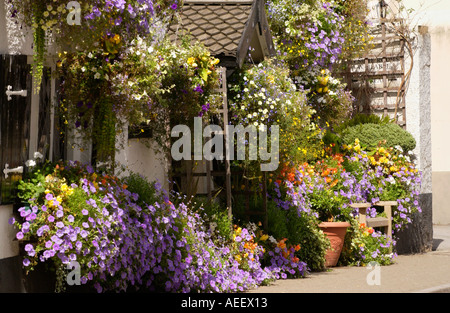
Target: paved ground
column 427, row 272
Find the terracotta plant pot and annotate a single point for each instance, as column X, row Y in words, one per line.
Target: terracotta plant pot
column 335, row 232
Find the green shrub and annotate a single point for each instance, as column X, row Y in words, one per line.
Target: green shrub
column 277, row 221
column 303, row 229
column 299, row 229
column 361, row 118
column 332, row 138
column 140, row 185
column 371, row 135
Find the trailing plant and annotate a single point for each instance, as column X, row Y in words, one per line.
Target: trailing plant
column 54, row 23
column 264, row 95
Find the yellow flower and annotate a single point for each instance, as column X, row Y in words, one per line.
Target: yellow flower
column 264, row 237
column 190, row 60
column 64, row 187
column 116, row 39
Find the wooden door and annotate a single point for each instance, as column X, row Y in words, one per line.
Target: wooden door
column 14, row 122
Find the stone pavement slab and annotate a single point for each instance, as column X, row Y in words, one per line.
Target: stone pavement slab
column 424, row 273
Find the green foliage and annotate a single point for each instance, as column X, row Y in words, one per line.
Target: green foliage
column 371, row 135
column 361, row 118
column 138, row 184
column 303, row 229
column 32, row 184
column 277, row 221
column 363, row 245
column 215, row 216
column 299, row 229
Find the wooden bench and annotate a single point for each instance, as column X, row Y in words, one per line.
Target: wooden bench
column 382, row 222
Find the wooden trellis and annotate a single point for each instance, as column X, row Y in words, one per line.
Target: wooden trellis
column 210, row 170
column 377, row 79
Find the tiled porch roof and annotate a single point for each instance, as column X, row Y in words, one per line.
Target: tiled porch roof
column 225, row 27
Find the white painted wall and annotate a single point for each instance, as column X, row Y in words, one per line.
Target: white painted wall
column 8, row 246
column 435, row 15
column 141, row 156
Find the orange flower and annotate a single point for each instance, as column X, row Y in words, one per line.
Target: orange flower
column 326, row 172
column 281, row 244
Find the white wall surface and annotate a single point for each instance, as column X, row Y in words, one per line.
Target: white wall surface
column 8, row 246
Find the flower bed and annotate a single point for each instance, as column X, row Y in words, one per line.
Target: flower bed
column 327, row 188
column 121, row 242
column 128, row 233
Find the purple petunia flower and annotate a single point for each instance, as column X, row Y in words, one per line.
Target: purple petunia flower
column 19, row 235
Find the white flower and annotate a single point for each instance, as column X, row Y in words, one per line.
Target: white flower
column 255, row 123
column 38, row 155
column 97, row 75
column 150, row 49
column 30, row 163
column 243, row 107
column 83, row 69
column 272, row 240
column 90, row 55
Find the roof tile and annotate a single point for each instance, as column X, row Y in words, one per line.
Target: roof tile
column 218, row 24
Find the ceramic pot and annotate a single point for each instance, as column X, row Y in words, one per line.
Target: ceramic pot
column 335, row 232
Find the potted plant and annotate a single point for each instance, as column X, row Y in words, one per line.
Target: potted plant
column 333, row 216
